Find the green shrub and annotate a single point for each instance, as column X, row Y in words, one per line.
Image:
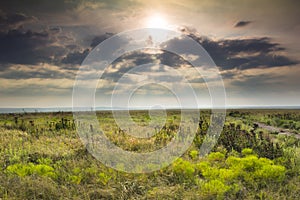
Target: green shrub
column 216, row 156
column 254, row 169
column 44, row 170
column 203, row 165
column 270, row 173
column 23, row 170
column 234, row 173
column 20, row 169
column 228, row 175
column 183, row 170
column 76, row 176
column 247, row 151
column 194, row 154
column 215, row 188
column 103, row 178
column 212, row 173
column 76, row 179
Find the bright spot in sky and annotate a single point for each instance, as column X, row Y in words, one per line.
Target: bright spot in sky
column 156, row 21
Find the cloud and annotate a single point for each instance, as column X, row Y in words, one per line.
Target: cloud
column 14, row 20
column 232, row 55
column 242, row 23
column 50, row 44
column 20, row 45
column 53, row 46
column 263, row 81
column 171, row 59
column 238, row 53
column 98, row 39
column 41, row 6
column 131, row 60
column 24, row 47
column 75, row 58
column 46, row 71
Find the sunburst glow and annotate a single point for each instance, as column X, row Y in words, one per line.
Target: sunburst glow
column 156, row 21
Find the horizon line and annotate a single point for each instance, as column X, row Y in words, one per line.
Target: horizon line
column 7, row 110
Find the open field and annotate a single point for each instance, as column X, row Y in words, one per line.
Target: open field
column 42, row 157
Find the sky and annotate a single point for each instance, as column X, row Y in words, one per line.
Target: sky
column 254, row 44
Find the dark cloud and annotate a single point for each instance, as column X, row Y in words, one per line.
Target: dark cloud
column 138, row 58
column 24, row 47
column 53, row 46
column 127, row 62
column 98, row 39
column 246, row 53
column 162, row 57
column 242, row 23
column 29, row 6
column 32, row 48
column 14, row 20
column 171, row 59
column 75, row 58
column 55, row 29
column 239, row 53
column 49, row 45
column 60, row 6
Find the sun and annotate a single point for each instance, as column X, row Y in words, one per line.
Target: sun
column 156, row 21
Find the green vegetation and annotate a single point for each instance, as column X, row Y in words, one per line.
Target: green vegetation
column 41, row 157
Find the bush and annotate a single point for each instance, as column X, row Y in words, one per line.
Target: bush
column 247, row 151
column 23, row 170
column 183, row 170
column 215, row 188
column 194, row 154
column 103, row 178
column 256, row 170
column 216, row 156
column 234, row 173
column 20, row 169
column 270, row 173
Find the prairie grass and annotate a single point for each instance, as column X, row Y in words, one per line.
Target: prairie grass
column 42, row 157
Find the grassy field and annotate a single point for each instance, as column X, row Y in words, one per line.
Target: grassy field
column 42, row 157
